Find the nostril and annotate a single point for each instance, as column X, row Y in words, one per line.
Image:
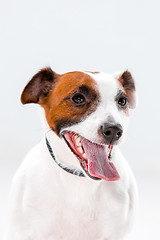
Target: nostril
column 107, row 133
column 118, row 135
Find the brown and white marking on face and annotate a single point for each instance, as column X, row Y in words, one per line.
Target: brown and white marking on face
column 57, row 95
column 77, row 105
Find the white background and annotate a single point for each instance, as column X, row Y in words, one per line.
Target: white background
column 95, row 35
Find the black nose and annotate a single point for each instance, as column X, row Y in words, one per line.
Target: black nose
column 111, row 132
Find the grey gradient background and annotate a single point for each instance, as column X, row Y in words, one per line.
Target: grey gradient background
column 96, row 35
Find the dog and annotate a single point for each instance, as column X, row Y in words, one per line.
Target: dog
column 75, row 184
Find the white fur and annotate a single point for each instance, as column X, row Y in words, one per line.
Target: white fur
column 48, row 203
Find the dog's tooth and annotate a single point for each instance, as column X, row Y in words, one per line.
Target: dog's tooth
column 80, row 149
column 76, row 136
column 84, row 164
column 78, row 142
column 84, row 155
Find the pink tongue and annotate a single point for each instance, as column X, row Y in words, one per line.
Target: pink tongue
column 98, row 163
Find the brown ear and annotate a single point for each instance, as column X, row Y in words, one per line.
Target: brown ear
column 39, row 86
column 128, row 84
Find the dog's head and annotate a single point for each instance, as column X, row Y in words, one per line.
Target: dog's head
column 88, row 110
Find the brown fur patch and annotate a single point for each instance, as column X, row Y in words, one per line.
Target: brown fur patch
column 54, row 93
column 39, row 86
column 60, row 110
column 128, row 86
column 127, row 81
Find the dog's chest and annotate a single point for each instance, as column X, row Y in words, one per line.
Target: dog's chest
column 82, row 210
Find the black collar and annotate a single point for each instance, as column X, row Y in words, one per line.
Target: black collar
column 69, row 170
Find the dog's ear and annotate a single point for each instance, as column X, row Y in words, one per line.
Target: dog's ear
column 127, row 82
column 39, row 86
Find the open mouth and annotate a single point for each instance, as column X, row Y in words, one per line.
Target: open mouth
column 93, row 158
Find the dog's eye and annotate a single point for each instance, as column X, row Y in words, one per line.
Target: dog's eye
column 122, row 101
column 79, row 99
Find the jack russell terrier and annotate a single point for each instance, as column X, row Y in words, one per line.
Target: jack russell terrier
column 75, row 184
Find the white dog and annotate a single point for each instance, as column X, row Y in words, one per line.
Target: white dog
column 75, row 184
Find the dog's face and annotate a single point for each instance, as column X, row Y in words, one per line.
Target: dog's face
column 87, row 110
